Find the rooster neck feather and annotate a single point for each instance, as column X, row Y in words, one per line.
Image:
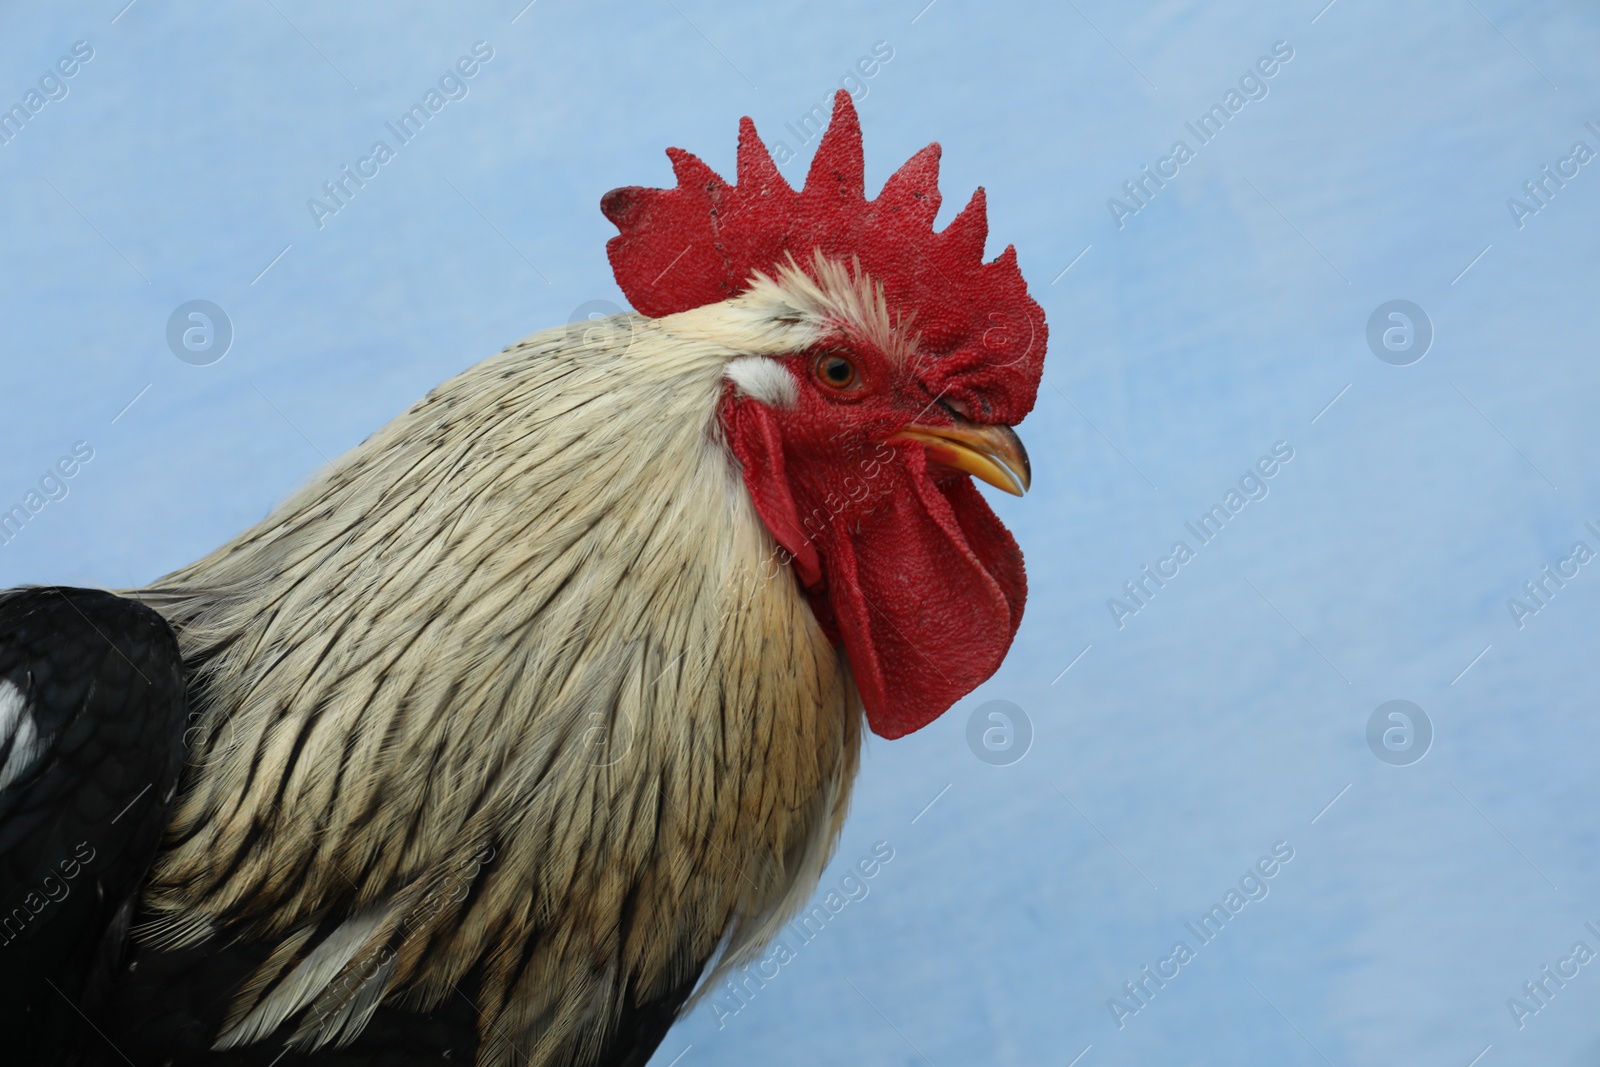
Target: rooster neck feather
column 515, row 686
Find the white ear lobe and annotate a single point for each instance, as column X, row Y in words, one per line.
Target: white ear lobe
column 764, row 379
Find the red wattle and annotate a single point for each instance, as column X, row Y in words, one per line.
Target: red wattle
column 922, row 584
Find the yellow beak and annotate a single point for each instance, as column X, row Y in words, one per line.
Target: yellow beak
column 992, row 453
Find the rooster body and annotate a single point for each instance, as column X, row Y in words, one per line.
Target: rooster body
column 541, row 707
column 527, row 652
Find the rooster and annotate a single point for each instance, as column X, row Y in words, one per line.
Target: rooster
column 538, row 710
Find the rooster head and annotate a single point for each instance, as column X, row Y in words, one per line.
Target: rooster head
column 878, row 367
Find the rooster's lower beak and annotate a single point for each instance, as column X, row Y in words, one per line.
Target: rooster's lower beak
column 992, row 453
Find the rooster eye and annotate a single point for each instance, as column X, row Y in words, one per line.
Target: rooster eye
column 837, row 372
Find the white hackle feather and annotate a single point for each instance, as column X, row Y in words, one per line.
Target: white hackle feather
column 536, row 611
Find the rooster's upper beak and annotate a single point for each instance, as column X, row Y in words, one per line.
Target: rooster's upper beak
column 993, row 453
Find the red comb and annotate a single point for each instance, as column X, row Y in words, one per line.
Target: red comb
column 700, row 243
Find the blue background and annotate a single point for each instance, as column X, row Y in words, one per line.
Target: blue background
column 1220, row 319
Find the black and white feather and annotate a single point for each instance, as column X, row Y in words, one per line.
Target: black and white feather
column 92, row 714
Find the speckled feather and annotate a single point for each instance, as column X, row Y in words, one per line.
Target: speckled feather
column 516, row 691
